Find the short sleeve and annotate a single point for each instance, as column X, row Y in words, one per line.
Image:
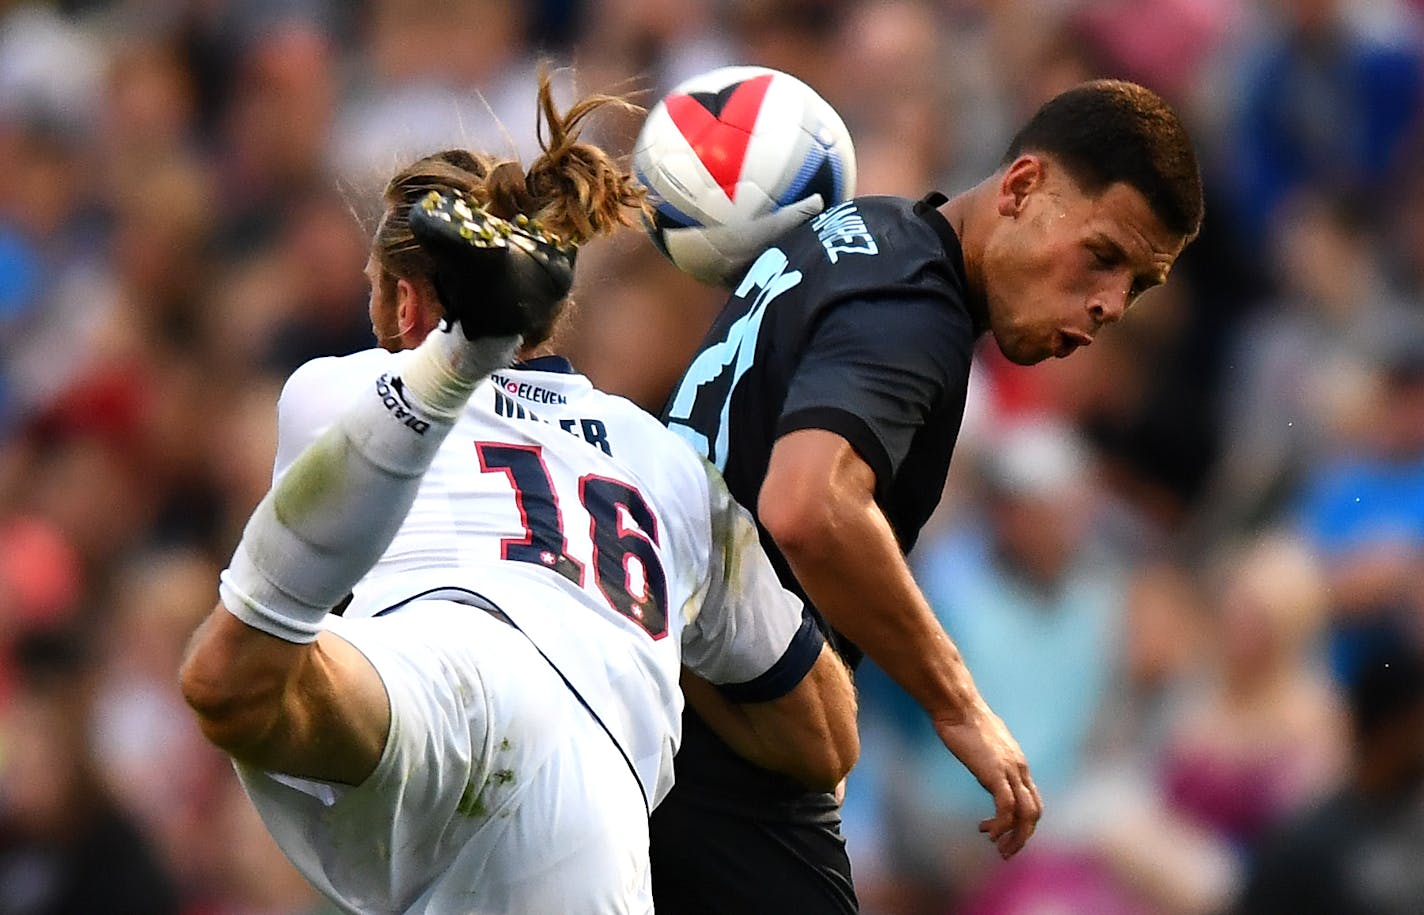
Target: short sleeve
column 873, row 372
column 751, row 637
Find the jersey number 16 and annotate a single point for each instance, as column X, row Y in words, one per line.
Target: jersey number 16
column 626, row 568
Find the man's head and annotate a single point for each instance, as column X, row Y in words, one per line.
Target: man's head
column 1096, row 197
column 574, row 190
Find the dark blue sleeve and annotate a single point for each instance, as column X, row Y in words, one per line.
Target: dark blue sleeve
column 873, row 371
column 790, row 669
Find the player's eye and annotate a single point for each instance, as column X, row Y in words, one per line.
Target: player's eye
column 1105, row 259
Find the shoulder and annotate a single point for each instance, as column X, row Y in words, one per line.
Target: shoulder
column 877, row 226
column 880, row 247
column 320, row 379
column 316, row 393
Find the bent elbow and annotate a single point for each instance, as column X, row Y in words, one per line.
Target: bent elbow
column 799, row 523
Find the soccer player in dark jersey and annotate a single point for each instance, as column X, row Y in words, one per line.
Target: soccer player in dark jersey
column 830, row 391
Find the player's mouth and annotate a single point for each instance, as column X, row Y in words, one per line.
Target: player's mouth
column 1067, row 341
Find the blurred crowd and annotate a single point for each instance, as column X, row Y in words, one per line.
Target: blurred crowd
column 1186, row 565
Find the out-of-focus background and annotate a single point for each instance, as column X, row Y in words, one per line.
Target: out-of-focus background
column 1184, row 565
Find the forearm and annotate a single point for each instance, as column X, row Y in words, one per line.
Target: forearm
column 809, row 734
column 856, row 576
column 818, row 503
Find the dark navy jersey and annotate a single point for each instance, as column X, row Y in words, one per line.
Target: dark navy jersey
column 857, row 323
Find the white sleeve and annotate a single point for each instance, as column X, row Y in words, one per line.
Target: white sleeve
column 752, row 638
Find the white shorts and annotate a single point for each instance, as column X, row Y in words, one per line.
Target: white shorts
column 497, row 790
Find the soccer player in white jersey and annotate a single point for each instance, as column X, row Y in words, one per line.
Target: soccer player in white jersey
column 530, row 563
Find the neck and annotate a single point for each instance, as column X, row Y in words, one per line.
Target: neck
column 964, row 213
column 534, row 352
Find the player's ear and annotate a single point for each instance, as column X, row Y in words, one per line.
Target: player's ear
column 1020, row 178
column 417, row 310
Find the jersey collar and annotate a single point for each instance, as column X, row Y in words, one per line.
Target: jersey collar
column 549, row 363
column 927, row 208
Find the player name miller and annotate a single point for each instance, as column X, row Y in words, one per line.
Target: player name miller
column 590, row 430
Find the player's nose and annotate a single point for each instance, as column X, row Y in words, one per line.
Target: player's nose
column 1107, row 307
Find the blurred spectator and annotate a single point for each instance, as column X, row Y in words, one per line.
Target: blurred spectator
column 1358, row 852
column 1034, row 573
column 1364, row 511
column 1170, row 55
column 276, row 129
column 153, row 755
column 440, row 74
column 791, row 35
column 324, row 250
column 1266, row 732
column 903, row 122
column 41, row 578
column 1257, row 739
column 48, row 212
column 148, row 111
column 1322, row 101
column 1164, row 821
column 657, row 44
column 66, row 847
column 1300, row 369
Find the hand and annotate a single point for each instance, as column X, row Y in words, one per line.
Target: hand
column 494, row 277
column 983, row 743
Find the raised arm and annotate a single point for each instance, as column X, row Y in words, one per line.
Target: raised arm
column 818, row 504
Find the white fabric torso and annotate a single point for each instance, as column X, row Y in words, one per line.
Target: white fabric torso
column 598, row 503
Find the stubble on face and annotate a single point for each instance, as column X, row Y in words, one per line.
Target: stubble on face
column 1019, row 276
column 1073, row 264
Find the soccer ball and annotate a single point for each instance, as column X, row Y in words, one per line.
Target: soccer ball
column 724, row 151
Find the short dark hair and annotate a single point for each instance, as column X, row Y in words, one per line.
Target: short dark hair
column 1109, row 131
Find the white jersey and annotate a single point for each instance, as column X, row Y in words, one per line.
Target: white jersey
column 610, row 545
